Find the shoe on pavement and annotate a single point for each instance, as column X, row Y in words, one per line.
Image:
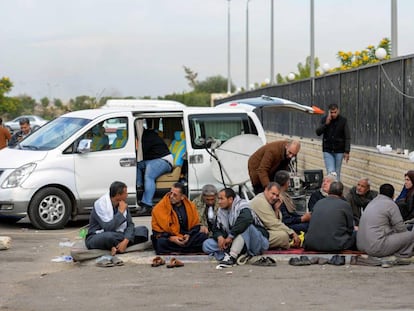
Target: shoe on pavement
column 337, row 260
column 295, row 261
column 365, row 261
column 319, row 260
column 243, row 259
column 305, row 261
column 228, row 260
column 265, row 262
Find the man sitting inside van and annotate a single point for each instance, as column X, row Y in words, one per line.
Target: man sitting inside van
column 157, row 160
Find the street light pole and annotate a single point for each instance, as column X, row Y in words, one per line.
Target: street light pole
column 272, row 69
column 312, row 39
column 228, row 49
column 394, row 29
column 312, row 48
column 247, row 45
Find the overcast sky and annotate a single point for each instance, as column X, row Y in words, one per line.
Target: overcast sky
column 62, row 49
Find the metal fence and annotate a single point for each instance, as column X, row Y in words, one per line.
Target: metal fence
column 377, row 100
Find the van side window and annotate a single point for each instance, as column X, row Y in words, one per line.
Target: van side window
column 219, row 126
column 109, row 134
column 117, row 131
column 100, row 140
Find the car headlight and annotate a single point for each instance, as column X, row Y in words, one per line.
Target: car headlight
column 18, row 176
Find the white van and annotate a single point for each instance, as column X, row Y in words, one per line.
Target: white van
column 57, row 173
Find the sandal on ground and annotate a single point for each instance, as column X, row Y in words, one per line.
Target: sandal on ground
column 175, row 263
column 337, row 260
column 319, row 260
column 243, row 259
column 299, row 261
column 305, row 260
column 157, row 261
column 104, row 261
column 264, row 262
column 117, row 261
column 365, row 261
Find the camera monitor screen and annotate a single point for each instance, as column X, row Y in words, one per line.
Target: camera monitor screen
column 313, row 179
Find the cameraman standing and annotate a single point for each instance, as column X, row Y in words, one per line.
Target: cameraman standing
column 25, row 130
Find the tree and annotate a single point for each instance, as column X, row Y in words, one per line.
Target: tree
column 366, row 56
column 214, row 84
column 191, row 99
column 7, row 104
column 26, row 105
column 303, row 71
column 191, row 77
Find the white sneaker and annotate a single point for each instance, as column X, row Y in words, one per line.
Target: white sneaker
column 228, row 260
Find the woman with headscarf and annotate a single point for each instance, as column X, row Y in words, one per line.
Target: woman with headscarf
column 405, row 200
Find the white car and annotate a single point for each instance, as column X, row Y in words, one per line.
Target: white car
column 35, row 123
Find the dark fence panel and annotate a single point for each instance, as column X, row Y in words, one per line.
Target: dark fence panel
column 365, row 116
column 408, row 105
column 371, row 98
column 349, row 99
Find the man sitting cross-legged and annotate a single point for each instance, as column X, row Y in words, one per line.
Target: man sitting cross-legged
column 359, row 196
column 322, row 193
column 175, row 224
column 382, row 231
column 237, row 227
column 331, row 227
column 110, row 223
column 266, row 206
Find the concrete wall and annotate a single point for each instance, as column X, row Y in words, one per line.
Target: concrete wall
column 364, row 162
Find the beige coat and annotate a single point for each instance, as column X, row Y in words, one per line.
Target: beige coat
column 278, row 231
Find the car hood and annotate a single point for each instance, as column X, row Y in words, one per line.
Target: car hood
column 11, row 158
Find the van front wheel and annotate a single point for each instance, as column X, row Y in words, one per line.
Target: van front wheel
column 50, row 209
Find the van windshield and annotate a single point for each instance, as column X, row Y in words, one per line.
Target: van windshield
column 53, row 133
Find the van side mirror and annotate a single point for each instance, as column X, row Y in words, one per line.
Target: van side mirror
column 200, row 141
column 84, row 146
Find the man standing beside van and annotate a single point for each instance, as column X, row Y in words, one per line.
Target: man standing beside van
column 4, row 135
column 25, row 130
column 157, row 160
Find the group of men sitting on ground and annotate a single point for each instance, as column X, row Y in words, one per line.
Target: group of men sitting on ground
column 223, row 225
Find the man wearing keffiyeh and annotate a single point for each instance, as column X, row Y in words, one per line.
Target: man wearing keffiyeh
column 110, row 223
column 237, row 228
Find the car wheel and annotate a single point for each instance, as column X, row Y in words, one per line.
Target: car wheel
column 50, row 208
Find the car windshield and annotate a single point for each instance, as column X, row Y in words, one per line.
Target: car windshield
column 53, row 133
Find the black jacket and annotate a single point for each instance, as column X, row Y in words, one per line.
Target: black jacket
column 153, row 146
column 336, row 135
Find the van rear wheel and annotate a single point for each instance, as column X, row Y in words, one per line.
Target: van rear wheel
column 50, row 209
